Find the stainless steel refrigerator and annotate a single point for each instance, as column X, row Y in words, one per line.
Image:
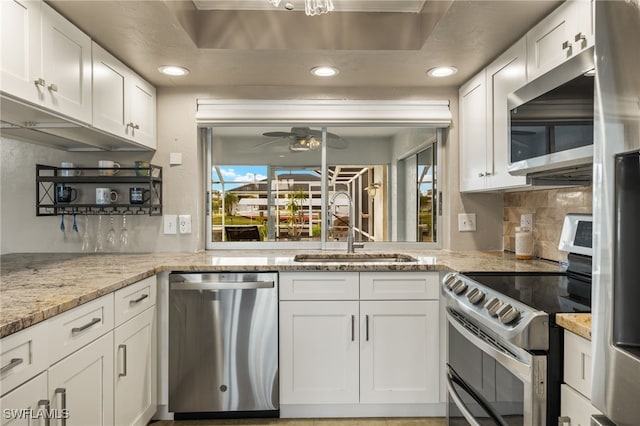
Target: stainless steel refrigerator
column 616, row 213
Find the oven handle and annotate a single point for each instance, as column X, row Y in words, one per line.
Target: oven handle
column 459, row 403
column 520, row 369
column 452, row 377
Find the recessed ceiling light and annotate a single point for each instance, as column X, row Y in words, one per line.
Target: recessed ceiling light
column 173, row 70
column 442, row 71
column 324, row 71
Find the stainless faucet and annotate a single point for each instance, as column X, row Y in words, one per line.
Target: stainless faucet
column 351, row 233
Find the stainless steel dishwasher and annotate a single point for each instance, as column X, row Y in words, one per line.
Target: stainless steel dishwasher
column 223, row 345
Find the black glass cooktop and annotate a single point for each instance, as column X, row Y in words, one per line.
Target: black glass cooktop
column 551, row 293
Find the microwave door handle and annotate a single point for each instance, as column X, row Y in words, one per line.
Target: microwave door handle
column 452, row 377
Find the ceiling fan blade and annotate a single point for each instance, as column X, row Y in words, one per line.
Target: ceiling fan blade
column 338, row 143
column 318, row 133
column 271, row 141
column 278, row 134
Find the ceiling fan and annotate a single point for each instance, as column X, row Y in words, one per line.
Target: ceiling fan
column 302, row 139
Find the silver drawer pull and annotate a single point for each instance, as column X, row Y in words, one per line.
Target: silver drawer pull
column 566, row 45
column 47, row 406
column 94, row 321
column 52, row 87
column 63, row 399
column 138, row 300
column 135, row 126
column 366, row 319
column 12, row 364
column 353, row 328
column 39, row 82
column 124, row 363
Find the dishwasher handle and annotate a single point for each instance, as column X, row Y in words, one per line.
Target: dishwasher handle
column 221, row 285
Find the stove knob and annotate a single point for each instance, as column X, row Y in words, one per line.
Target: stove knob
column 449, row 280
column 475, row 296
column 460, row 287
column 509, row 315
column 492, row 306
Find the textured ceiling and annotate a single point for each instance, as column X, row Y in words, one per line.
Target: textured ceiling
column 276, row 48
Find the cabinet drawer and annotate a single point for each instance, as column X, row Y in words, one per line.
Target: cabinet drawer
column 399, row 285
column 577, row 363
column 575, row 409
column 319, row 286
column 23, row 355
column 132, row 300
column 76, row 328
column 30, row 396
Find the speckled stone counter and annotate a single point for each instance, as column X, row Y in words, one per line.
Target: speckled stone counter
column 579, row 324
column 37, row 286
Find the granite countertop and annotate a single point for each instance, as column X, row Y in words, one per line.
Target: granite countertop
column 579, row 324
column 37, row 286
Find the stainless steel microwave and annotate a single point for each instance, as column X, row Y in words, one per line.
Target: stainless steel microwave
column 551, row 119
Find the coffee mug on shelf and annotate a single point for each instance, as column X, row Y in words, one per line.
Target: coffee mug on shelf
column 138, row 195
column 142, row 168
column 67, row 173
column 108, row 167
column 106, row 196
column 65, row 194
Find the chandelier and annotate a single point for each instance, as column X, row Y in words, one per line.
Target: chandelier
column 311, row 7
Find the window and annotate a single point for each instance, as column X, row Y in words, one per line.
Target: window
column 266, row 184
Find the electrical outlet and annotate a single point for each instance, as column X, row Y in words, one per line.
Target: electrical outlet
column 526, row 222
column 466, row 222
column 184, row 223
column 170, row 223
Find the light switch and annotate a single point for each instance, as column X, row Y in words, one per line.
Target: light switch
column 175, row 158
column 170, row 223
column 184, row 223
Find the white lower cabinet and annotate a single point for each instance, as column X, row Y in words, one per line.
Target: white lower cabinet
column 135, row 370
column 360, row 357
column 399, row 352
column 82, row 384
column 26, row 401
column 319, row 352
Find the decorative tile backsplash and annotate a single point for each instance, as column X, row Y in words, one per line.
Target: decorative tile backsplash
column 549, row 207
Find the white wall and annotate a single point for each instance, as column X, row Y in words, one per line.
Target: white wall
column 183, row 192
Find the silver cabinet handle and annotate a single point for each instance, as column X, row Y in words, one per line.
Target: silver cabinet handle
column 480, row 175
column 40, row 82
column 353, row 328
column 52, row 87
column 487, row 174
column 138, row 300
column 566, row 45
column 12, row 364
column 221, row 285
column 63, row 399
column 45, row 403
column 564, row 419
column 94, row 321
column 135, row 126
column 366, row 327
column 581, row 37
column 124, row 363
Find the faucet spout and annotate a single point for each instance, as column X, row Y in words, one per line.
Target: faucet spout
column 350, row 233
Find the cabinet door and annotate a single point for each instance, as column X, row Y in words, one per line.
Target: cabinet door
column 109, row 83
column 473, row 134
column 82, row 383
column 399, row 353
column 575, row 408
column 135, row 371
column 551, row 41
column 504, row 75
column 319, row 352
column 66, row 63
column 20, row 61
column 32, row 395
column 141, row 113
column 586, row 29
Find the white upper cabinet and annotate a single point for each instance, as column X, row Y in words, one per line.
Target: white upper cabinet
column 504, row 75
column 567, row 31
column 66, row 66
column 124, row 104
column 484, row 123
column 473, row 134
column 20, row 60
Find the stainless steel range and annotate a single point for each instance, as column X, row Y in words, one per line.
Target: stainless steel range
column 504, row 360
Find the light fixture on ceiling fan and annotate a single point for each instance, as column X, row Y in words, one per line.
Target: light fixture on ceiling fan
column 311, row 7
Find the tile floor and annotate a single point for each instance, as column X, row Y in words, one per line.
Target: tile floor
column 308, row 422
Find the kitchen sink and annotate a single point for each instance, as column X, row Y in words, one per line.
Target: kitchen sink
column 355, row 257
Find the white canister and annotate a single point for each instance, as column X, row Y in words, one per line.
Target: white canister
column 524, row 244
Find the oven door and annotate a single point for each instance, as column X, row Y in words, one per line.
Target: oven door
column 489, row 383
